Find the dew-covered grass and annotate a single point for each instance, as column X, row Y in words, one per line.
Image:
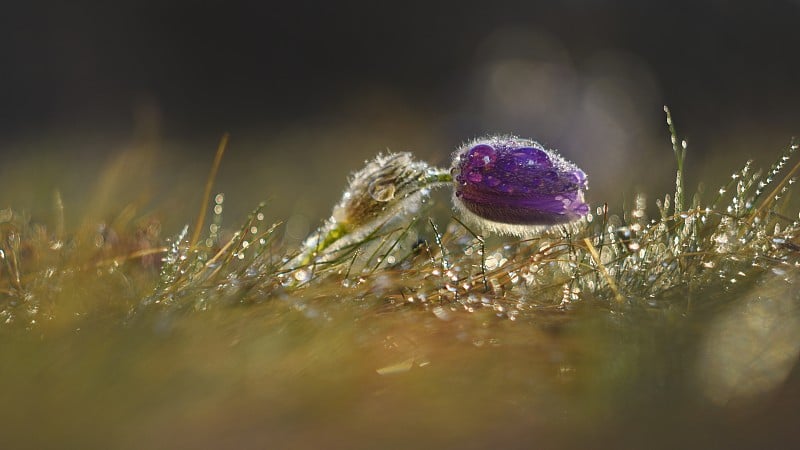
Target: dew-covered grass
column 623, row 330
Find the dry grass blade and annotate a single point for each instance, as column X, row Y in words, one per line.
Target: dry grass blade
column 212, row 175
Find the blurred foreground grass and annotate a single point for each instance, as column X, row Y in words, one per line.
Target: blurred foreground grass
column 680, row 330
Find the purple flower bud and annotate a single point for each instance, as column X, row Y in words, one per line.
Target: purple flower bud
column 508, row 184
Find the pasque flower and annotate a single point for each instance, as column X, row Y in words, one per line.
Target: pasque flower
column 502, row 184
column 511, row 185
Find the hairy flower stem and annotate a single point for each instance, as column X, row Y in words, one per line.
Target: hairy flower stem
column 387, row 187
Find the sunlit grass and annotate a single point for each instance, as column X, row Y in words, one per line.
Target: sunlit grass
column 132, row 336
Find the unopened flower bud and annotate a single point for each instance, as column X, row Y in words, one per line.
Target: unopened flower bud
column 386, row 186
column 514, row 186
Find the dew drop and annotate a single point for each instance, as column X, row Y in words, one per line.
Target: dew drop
column 301, row 275
column 475, row 177
column 381, row 190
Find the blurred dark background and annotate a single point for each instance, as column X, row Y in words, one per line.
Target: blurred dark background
column 309, row 90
